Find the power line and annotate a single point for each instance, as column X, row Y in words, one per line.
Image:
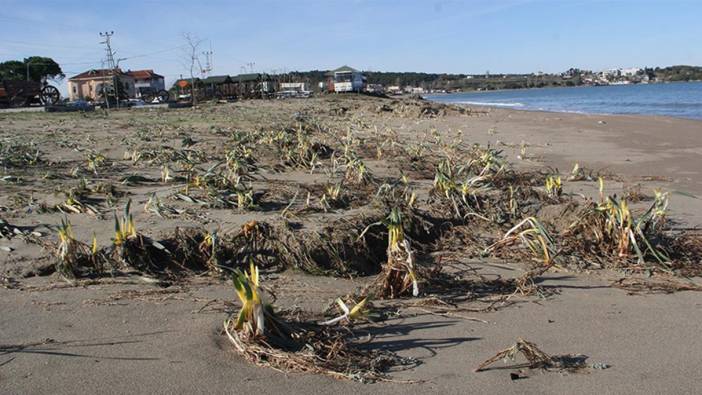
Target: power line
column 62, row 63
column 71, row 47
column 25, row 43
column 38, row 23
column 155, row 52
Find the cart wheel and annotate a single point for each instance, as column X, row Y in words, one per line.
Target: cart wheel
column 163, row 96
column 49, row 95
column 147, row 97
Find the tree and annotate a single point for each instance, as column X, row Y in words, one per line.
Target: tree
column 42, row 69
column 192, row 47
column 14, row 70
column 33, row 68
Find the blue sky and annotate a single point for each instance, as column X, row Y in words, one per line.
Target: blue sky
column 410, row 35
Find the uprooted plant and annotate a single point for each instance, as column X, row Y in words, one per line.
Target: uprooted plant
column 134, row 250
column 532, row 234
column 266, row 338
column 75, row 258
column 610, row 229
column 399, row 272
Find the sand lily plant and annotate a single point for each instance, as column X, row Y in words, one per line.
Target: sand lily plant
column 357, row 312
column 532, row 234
column 554, row 187
column 75, row 257
column 399, row 273
column 254, row 312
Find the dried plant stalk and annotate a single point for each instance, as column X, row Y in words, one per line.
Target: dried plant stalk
column 536, row 358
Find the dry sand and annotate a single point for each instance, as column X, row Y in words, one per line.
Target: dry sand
column 136, row 338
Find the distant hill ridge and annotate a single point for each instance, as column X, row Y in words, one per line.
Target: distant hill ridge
column 446, row 81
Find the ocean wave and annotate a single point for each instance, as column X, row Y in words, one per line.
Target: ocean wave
column 557, row 109
column 491, row 104
column 662, row 104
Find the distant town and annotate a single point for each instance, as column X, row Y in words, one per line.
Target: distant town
column 145, row 83
column 27, row 82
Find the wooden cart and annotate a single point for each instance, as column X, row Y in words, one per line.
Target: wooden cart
column 25, row 93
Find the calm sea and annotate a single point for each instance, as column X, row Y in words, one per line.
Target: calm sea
column 681, row 99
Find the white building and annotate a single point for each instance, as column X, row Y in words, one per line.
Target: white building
column 146, row 80
column 414, row 90
column 375, row 88
column 345, row 79
column 630, row 72
column 394, row 90
column 295, row 86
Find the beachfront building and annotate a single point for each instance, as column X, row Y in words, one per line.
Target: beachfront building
column 295, row 86
column 630, row 72
column 91, row 85
column 345, row 79
column 253, row 85
column 219, row 87
column 414, row 90
column 182, row 88
column 394, row 90
column 146, row 81
column 375, row 88
column 243, row 86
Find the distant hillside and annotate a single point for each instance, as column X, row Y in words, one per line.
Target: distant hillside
column 466, row 82
column 446, row 81
column 678, row 73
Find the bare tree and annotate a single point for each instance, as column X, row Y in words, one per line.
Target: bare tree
column 192, row 47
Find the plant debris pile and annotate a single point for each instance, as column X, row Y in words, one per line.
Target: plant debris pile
column 267, row 338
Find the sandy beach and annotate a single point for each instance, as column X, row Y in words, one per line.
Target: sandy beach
column 124, row 335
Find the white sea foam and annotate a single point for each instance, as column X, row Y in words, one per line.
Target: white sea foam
column 491, row 104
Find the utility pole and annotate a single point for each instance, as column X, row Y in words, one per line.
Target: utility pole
column 243, row 70
column 208, row 62
column 250, row 65
column 104, row 88
column 111, row 66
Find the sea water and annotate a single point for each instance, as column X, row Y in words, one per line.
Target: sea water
column 678, row 99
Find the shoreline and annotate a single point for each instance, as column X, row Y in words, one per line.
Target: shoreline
column 565, row 87
column 511, row 108
column 487, row 99
column 577, row 113
column 636, row 149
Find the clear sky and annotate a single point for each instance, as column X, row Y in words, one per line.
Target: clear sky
column 394, row 35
